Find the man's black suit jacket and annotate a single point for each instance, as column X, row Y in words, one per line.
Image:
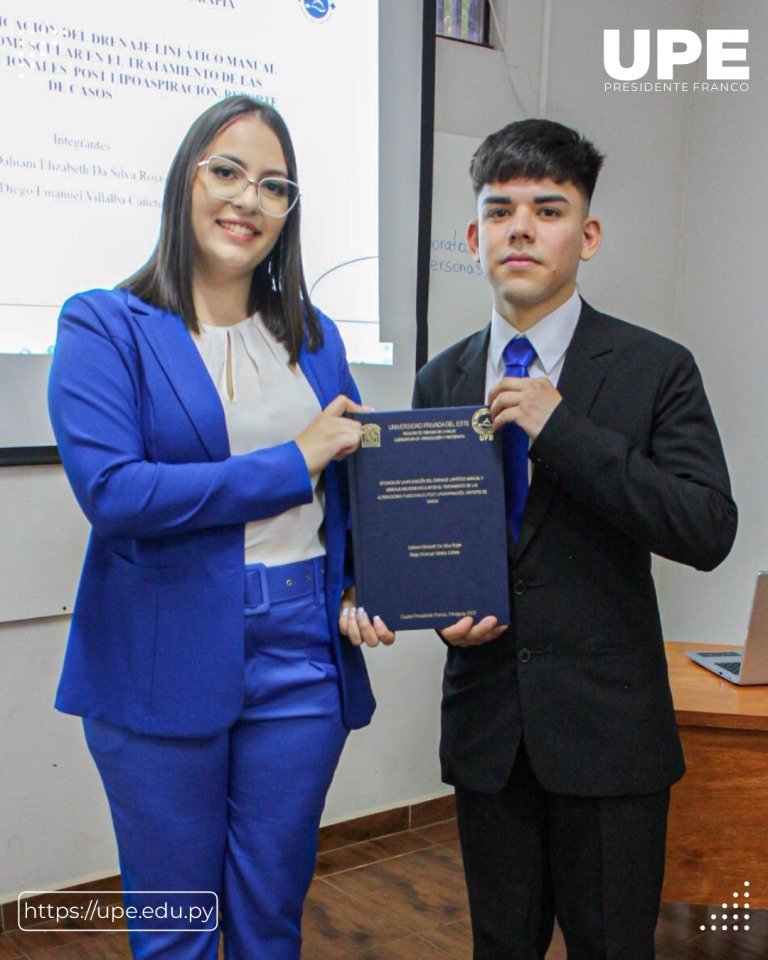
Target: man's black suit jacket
column 630, row 463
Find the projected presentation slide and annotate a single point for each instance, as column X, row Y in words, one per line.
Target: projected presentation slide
column 97, row 96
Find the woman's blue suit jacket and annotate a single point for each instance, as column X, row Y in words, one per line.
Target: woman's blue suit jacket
column 156, row 643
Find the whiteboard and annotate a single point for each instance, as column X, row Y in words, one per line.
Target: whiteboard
column 44, row 538
column 459, row 296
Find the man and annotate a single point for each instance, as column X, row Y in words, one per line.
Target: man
column 558, row 730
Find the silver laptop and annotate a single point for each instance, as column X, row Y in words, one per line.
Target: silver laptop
column 750, row 664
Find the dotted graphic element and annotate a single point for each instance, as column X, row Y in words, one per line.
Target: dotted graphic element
column 736, row 917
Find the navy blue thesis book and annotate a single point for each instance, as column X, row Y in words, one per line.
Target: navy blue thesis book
column 428, row 520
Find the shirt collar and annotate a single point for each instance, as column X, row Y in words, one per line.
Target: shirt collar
column 549, row 337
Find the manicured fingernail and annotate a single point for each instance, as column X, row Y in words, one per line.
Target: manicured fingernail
column 345, row 611
column 377, row 619
column 361, row 614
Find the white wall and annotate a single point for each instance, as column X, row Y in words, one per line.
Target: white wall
column 723, row 308
column 54, row 826
column 640, row 192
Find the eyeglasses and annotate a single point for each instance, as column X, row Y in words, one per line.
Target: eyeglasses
column 227, row 180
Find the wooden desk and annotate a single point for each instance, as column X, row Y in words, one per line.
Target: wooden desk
column 718, row 819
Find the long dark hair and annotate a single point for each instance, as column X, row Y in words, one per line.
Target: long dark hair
column 278, row 284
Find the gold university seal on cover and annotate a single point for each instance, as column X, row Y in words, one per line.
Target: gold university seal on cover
column 371, row 435
column 482, row 423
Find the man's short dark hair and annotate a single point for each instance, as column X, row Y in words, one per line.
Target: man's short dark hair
column 536, row 150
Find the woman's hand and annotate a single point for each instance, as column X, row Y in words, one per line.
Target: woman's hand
column 355, row 624
column 331, row 435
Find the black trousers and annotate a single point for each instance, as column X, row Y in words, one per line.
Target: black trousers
column 595, row 863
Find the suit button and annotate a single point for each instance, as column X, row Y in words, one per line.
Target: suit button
column 520, row 587
column 524, row 656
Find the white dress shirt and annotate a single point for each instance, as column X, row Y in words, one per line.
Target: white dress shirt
column 266, row 402
column 549, row 338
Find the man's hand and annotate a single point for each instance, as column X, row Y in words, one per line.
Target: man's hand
column 467, row 633
column 526, row 401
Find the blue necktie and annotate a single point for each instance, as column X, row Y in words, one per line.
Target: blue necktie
column 518, row 356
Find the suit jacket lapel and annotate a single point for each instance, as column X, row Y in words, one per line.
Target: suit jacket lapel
column 172, row 345
column 580, row 381
column 585, row 361
column 469, row 388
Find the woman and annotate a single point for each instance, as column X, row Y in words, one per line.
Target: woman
column 197, row 407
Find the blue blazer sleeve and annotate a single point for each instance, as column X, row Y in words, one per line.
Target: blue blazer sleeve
column 132, row 447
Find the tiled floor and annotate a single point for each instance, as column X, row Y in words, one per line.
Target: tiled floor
column 402, row 897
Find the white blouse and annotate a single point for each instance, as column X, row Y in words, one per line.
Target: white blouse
column 266, row 402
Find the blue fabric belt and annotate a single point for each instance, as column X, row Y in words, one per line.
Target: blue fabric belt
column 265, row 586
